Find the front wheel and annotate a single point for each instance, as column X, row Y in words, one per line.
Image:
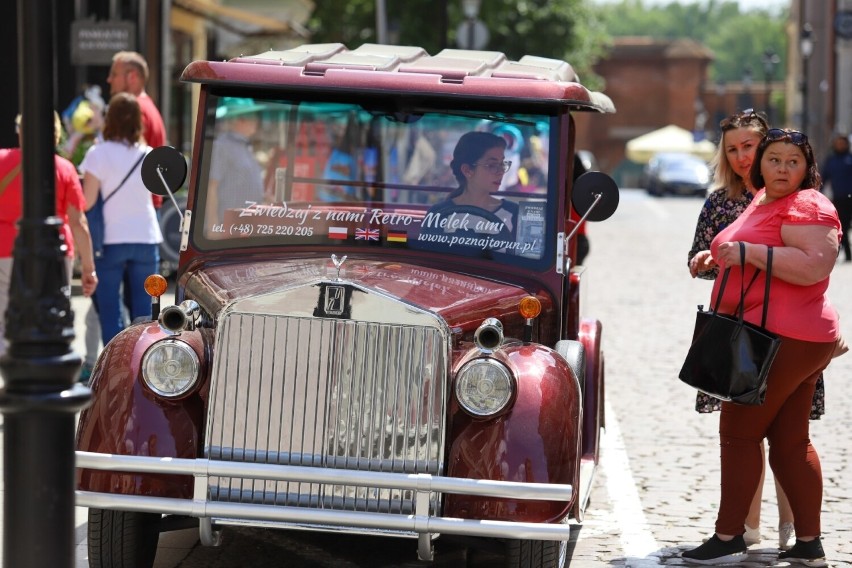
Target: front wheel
column 536, row 553
column 122, row 539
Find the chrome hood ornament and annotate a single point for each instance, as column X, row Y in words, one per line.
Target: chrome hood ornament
column 338, row 262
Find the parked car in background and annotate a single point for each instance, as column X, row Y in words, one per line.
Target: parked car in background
column 589, row 161
column 676, row 173
column 341, row 356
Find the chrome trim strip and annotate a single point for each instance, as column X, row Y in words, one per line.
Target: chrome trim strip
column 185, row 223
column 561, row 253
column 201, row 468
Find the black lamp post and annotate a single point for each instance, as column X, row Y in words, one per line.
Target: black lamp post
column 40, row 396
column 471, row 12
column 770, row 60
column 746, row 96
column 721, row 104
column 806, row 46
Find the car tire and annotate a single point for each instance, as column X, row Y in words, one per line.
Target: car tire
column 122, row 539
column 536, row 553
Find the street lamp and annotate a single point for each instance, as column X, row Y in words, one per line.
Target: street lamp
column 471, row 12
column 471, row 8
column 40, row 396
column 806, row 47
column 721, row 104
column 745, row 96
column 770, row 60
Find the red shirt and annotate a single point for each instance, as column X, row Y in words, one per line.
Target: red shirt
column 800, row 312
column 68, row 192
column 153, row 130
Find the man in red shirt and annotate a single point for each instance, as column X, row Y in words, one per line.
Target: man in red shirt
column 129, row 74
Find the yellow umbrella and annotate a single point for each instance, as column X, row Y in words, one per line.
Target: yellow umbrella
column 670, row 138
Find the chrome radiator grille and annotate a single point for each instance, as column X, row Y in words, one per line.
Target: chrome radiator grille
column 327, row 393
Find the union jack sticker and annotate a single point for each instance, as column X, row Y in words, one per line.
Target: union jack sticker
column 368, row 234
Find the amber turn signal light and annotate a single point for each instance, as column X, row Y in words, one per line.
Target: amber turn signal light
column 530, row 307
column 155, row 285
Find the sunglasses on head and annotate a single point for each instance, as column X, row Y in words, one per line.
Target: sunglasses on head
column 743, row 118
column 794, row 136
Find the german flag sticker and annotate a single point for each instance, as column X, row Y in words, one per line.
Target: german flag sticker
column 397, row 236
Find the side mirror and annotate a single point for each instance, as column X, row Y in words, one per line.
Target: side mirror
column 164, row 170
column 163, row 173
column 595, row 196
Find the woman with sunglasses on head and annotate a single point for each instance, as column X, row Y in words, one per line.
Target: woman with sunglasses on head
column 479, row 164
column 741, row 135
column 801, row 225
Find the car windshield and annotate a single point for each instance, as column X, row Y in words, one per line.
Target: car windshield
column 326, row 174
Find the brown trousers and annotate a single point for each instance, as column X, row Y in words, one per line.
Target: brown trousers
column 783, row 420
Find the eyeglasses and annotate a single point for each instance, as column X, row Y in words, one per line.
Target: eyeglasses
column 794, row 136
column 743, row 118
column 495, row 167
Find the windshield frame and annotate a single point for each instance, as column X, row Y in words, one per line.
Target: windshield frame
column 402, row 108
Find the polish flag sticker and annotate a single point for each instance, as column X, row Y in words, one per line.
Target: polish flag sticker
column 341, row 233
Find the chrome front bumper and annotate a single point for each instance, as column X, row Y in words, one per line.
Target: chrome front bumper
column 421, row 522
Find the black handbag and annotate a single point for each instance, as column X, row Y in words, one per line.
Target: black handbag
column 95, row 214
column 730, row 358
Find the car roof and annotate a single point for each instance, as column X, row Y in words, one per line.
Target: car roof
column 389, row 69
column 677, row 156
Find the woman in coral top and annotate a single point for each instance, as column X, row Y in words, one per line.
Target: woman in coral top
column 801, row 225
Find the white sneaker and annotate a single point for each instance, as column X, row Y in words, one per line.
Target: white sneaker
column 786, row 536
column 752, row 535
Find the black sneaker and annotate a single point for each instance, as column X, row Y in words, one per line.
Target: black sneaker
column 807, row 553
column 717, row 551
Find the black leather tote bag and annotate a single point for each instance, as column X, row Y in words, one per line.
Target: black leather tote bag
column 730, row 358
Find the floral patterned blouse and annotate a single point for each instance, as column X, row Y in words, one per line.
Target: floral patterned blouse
column 717, row 213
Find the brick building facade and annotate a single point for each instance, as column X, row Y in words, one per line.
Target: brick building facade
column 654, row 83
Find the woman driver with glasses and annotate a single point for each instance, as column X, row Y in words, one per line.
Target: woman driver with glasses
column 479, row 164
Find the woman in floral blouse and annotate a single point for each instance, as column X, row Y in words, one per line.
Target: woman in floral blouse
column 741, row 133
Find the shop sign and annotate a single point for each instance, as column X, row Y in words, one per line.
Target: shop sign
column 94, row 43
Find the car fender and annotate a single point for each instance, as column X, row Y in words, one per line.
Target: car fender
column 593, row 397
column 536, row 440
column 127, row 418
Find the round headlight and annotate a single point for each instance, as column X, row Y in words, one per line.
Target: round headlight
column 170, row 367
column 484, row 387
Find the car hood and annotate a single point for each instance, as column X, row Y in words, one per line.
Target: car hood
column 462, row 300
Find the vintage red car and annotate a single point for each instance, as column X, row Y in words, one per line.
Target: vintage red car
column 354, row 345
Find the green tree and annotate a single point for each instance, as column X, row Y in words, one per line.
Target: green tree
column 559, row 29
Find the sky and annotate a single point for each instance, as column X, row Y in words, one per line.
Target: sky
column 744, row 4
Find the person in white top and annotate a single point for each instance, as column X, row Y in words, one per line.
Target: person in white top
column 131, row 232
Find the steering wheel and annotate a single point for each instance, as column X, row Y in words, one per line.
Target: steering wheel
column 504, row 235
